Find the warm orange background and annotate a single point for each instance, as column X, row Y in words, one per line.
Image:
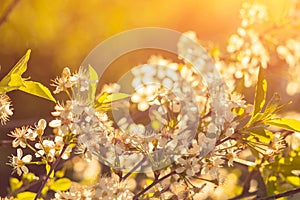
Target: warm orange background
column 62, row 33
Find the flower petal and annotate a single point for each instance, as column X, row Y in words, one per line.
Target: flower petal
column 27, row 158
column 24, row 169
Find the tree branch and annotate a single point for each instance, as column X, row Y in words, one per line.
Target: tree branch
column 53, row 167
column 284, row 194
column 7, row 12
column 152, row 184
column 134, row 168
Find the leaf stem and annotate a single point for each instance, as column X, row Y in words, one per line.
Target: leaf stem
column 34, row 150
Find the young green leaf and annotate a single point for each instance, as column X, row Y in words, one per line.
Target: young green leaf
column 37, row 89
column 60, row 173
column 18, row 69
column 285, row 123
column 16, row 81
column 240, row 85
column 48, row 168
column 260, row 98
column 260, row 93
column 115, row 97
column 101, row 98
column 62, row 184
column 263, row 135
column 26, row 195
column 93, row 86
column 294, row 180
column 15, row 183
column 272, row 105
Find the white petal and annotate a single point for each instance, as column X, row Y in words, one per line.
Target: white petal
column 180, row 170
column 55, row 123
column 190, row 172
column 27, row 158
column 19, row 153
column 8, row 110
column 24, row 169
column 142, row 106
column 19, row 171
column 15, row 143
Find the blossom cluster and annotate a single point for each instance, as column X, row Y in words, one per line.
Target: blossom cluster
column 256, row 40
column 181, row 126
column 5, row 108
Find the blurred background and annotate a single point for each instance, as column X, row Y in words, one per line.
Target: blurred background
column 61, row 33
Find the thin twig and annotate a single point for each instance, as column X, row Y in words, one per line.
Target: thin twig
column 152, row 184
column 7, row 12
column 134, row 168
column 53, row 167
column 249, row 194
column 284, row 194
column 224, row 140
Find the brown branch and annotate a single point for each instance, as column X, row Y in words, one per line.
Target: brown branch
column 248, row 194
column 284, row 194
column 53, row 167
column 8, row 11
column 246, row 186
column 156, row 181
column 134, row 168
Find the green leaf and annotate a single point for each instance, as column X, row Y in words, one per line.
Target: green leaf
column 13, row 81
column 238, row 111
column 104, row 99
column 294, row 180
column 260, row 93
column 60, row 173
column 285, row 123
column 16, row 81
column 62, row 184
column 45, row 190
column 18, row 69
column 15, row 183
column 26, row 195
column 37, row 89
column 29, row 177
column 272, row 105
column 93, row 76
column 256, row 118
column 264, row 136
column 48, row 168
column 240, row 85
column 101, row 98
column 115, row 97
